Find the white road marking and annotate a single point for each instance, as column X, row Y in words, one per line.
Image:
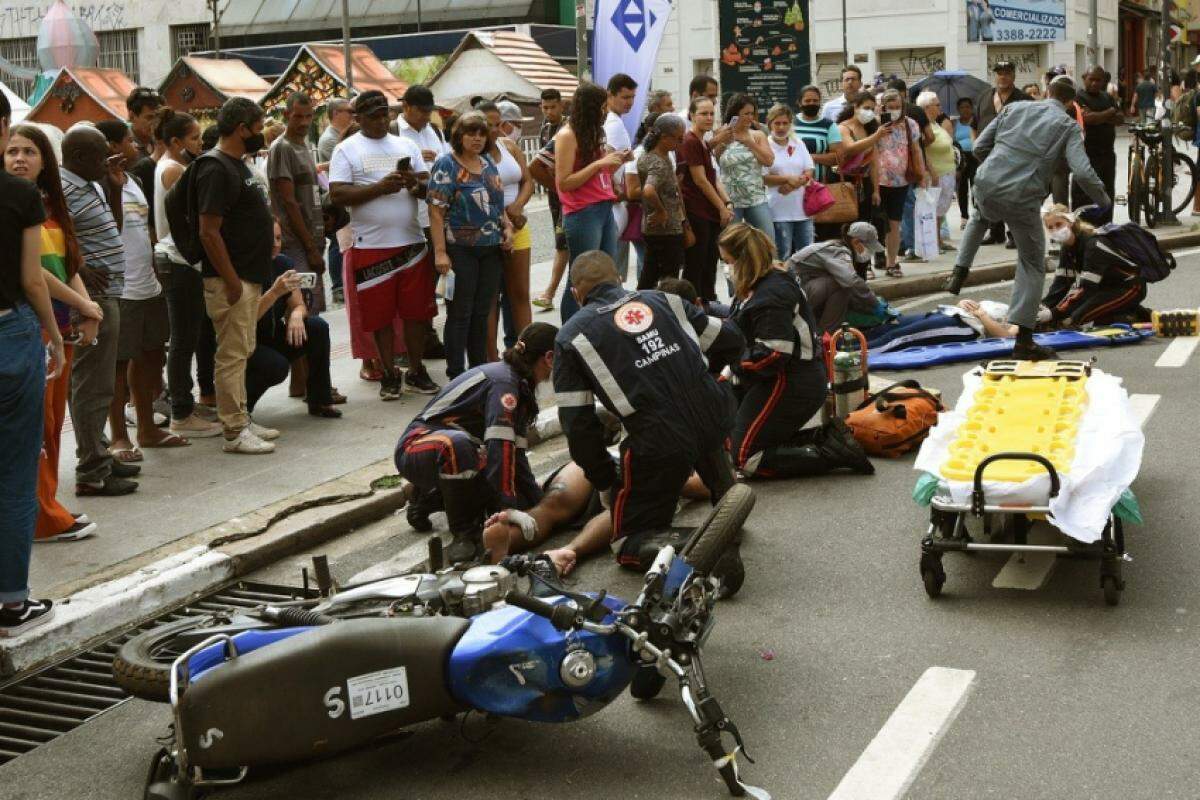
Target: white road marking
column 1178, row 352
column 1143, row 406
column 1191, row 251
column 1028, row 571
column 983, row 287
column 892, row 760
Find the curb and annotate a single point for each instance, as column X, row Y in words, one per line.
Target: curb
column 931, row 283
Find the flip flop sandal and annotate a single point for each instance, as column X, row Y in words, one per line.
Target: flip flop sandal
column 170, row 440
column 338, row 398
column 894, row 272
column 370, row 375
column 543, row 303
column 127, row 455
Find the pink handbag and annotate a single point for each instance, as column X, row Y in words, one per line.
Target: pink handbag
column 817, row 198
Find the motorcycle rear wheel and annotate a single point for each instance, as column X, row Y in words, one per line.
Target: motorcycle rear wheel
column 720, row 530
column 142, row 666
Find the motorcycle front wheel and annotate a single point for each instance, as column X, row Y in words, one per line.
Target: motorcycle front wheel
column 720, row 530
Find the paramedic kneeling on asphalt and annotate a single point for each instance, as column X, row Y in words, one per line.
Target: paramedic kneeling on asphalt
column 643, row 355
column 1020, row 152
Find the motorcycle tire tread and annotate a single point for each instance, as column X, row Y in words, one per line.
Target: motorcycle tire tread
column 720, row 530
column 135, row 671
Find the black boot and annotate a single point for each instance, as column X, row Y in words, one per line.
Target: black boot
column 837, row 441
column 1025, row 349
column 638, row 550
column 420, row 505
column 466, row 503
column 955, row 282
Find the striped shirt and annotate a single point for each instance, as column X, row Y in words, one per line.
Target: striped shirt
column 95, row 230
column 818, row 136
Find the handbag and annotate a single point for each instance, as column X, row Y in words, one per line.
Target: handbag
column 817, row 198
column 911, row 174
column 844, row 207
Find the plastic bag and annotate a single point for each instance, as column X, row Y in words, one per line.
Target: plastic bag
column 925, row 225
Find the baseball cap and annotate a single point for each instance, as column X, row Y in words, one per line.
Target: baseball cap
column 370, row 103
column 509, row 111
column 865, row 232
column 1004, row 66
column 419, row 96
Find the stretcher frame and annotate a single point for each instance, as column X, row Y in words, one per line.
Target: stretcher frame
column 948, row 532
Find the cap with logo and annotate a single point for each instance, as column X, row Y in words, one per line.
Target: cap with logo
column 865, row 232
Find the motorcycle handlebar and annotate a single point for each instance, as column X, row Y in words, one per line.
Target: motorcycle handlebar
column 561, row 616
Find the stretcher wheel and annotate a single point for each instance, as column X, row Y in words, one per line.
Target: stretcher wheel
column 1111, row 585
column 932, row 575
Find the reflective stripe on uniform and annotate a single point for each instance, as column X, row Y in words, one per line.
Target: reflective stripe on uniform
column 500, row 432
column 806, row 337
column 574, row 399
column 522, row 443
column 676, row 303
column 711, row 331
column 447, row 400
column 782, row 345
column 1090, row 277
column 603, row 375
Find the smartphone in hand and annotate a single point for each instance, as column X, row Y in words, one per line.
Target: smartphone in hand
column 404, row 164
column 308, row 280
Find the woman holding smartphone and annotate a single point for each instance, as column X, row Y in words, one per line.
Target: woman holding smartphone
column 708, row 207
column 898, row 162
column 742, row 164
column 29, row 155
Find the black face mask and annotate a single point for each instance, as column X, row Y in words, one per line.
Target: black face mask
column 186, row 157
column 810, row 109
column 254, row 143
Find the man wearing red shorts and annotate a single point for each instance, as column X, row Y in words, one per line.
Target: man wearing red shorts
column 381, row 179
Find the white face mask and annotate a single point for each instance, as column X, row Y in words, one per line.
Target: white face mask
column 895, row 114
column 1061, row 235
column 866, row 116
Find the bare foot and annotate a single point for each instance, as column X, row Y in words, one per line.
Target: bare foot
column 564, row 560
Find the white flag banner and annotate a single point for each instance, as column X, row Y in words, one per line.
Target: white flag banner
column 625, row 38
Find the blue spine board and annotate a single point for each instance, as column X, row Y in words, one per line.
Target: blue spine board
column 933, row 355
column 508, row 663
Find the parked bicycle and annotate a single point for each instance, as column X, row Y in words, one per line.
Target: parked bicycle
column 1147, row 193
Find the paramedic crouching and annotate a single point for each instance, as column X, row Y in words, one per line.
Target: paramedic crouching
column 1093, row 283
column 1020, row 153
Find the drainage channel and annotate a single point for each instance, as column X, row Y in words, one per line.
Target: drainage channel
column 44, row 705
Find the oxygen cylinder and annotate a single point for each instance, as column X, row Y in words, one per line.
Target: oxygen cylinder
column 1177, row 322
column 847, row 361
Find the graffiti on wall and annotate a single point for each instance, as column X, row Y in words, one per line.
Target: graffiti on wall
column 18, row 20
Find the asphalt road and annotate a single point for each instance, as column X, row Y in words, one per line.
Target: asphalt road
column 1069, row 698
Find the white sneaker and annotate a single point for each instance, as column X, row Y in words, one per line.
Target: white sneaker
column 264, row 433
column 194, row 427
column 248, row 444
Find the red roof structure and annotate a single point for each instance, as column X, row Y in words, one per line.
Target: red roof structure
column 199, row 85
column 83, row 94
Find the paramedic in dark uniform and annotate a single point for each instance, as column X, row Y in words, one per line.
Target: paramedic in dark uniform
column 1093, row 283
column 469, row 442
column 646, row 356
column 780, row 380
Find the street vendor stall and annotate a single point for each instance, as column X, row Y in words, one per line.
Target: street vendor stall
column 200, row 86
column 319, row 70
column 83, row 94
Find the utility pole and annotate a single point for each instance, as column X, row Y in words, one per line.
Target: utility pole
column 216, row 29
column 1093, row 40
column 581, row 52
column 418, row 16
column 346, row 48
column 1166, row 214
column 845, row 48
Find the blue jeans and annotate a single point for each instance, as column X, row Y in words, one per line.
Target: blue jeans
column 639, row 252
column 792, row 236
column 22, row 392
column 907, row 237
column 591, row 228
column 478, row 273
column 759, row 216
column 919, row 330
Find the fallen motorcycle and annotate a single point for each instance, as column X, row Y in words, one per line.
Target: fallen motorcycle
column 285, row 684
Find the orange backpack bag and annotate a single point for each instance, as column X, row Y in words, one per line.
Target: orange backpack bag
column 892, row 422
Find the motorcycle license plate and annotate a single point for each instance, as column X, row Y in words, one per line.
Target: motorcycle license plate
column 377, row 692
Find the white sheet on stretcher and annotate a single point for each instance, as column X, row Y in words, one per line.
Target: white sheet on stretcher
column 1108, row 454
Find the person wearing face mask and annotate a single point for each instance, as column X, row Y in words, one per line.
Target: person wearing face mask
column 820, row 136
column 786, row 178
column 898, row 164
column 236, row 233
column 469, row 440
column 861, row 131
column 829, row 273
column 1093, row 284
column 780, row 380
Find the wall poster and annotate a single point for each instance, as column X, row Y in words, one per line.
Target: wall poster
column 764, row 49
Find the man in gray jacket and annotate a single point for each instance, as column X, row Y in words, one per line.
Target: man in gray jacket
column 1019, row 154
column 826, row 272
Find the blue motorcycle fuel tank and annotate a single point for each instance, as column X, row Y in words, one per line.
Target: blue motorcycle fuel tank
column 510, row 662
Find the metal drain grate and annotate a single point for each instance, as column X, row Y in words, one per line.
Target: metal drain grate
column 40, row 707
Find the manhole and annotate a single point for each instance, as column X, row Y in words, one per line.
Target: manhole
column 40, row 707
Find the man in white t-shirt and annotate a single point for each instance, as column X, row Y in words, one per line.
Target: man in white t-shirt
column 144, row 323
column 413, row 124
column 622, row 90
column 381, row 179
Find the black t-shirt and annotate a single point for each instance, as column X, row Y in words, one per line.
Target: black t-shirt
column 1145, row 92
column 1098, row 138
column 20, row 208
column 225, row 186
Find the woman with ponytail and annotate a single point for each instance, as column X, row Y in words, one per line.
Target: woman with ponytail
column 469, row 442
column 780, row 382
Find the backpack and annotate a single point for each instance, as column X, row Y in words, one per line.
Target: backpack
column 1184, row 113
column 894, row 421
column 183, row 219
column 1139, row 247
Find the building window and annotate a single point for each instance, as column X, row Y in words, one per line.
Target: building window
column 119, row 50
column 187, row 39
column 21, row 53
column 702, row 66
